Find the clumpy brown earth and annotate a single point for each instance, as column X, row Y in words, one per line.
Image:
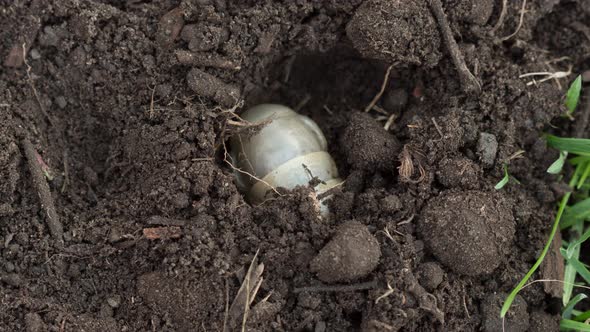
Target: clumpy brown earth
column 127, row 105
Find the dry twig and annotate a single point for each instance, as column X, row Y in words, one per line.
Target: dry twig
column 247, row 292
column 468, row 81
column 40, row 183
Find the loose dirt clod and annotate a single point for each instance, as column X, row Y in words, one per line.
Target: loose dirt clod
column 170, row 26
column 468, row 231
column 430, row 275
column 458, row 172
column 371, row 146
column 209, row 86
column 396, row 31
column 517, row 320
column 352, row 253
column 475, row 11
column 541, row 321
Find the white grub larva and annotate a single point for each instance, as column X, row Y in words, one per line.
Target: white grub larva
column 286, row 152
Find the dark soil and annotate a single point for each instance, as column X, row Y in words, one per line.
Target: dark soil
column 127, row 105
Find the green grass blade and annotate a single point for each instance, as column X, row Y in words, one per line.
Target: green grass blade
column 583, row 316
column 578, row 160
column 568, row 324
column 557, row 165
column 579, row 146
column 576, row 244
column 569, row 275
column 576, row 213
column 580, row 268
column 504, row 180
column 528, row 275
column 573, row 95
column 584, row 176
column 562, row 204
column 567, row 311
column 569, row 278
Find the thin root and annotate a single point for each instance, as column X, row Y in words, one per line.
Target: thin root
column 389, row 122
column 387, row 293
column 501, row 18
column 381, row 91
column 520, row 21
column 437, row 127
column 547, row 76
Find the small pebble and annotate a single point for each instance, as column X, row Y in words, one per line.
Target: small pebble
column 487, row 147
column 9, row 267
column 61, row 101
column 114, row 301
column 35, row 55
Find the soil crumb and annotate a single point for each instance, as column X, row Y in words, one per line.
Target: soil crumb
column 468, row 231
column 458, row 172
column 430, row 275
column 370, row 147
column 351, row 254
column 541, row 321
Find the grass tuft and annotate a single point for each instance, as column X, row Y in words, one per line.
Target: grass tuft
column 572, row 217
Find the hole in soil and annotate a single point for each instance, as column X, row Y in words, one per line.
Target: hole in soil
column 355, row 318
column 329, row 86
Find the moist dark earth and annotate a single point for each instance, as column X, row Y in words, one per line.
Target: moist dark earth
column 114, row 122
